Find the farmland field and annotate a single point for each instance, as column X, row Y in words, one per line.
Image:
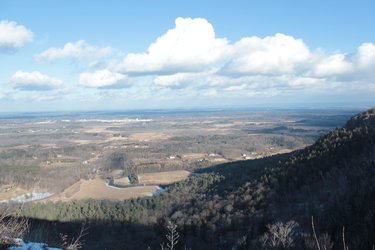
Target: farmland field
column 97, row 189
column 76, row 155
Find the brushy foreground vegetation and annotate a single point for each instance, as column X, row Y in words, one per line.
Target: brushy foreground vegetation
column 244, row 205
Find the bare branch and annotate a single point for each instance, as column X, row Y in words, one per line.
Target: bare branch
column 172, row 237
column 75, row 243
column 316, row 237
column 343, row 239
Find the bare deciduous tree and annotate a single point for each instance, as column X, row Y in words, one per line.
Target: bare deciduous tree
column 11, row 228
column 74, row 243
column 172, row 237
column 280, row 235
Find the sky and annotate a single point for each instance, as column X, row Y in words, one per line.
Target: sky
column 120, row 55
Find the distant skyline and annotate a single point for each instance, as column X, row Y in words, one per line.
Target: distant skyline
column 119, row 55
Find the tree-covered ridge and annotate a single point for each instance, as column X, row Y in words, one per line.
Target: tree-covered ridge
column 232, row 204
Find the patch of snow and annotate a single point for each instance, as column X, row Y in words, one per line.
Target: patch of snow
column 31, row 246
column 46, row 122
column 159, row 191
column 28, row 197
column 110, row 186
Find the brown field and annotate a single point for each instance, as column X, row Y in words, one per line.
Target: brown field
column 163, row 177
column 149, row 136
column 218, row 159
column 194, row 156
column 99, row 130
column 82, row 142
column 111, row 138
column 281, row 151
column 12, row 192
column 98, row 190
column 49, row 145
column 22, row 146
column 207, row 130
column 122, row 181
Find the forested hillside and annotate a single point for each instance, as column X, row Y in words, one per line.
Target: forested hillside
column 236, row 204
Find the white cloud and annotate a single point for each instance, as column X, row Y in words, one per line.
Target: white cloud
column 280, row 63
column 236, row 87
column 13, row 36
column 304, row 81
column 265, row 93
column 366, row 56
column 346, row 67
column 181, row 80
column 190, row 59
column 32, row 96
column 190, row 56
column 75, row 51
column 102, row 79
column 210, row 92
column 34, row 81
column 190, row 46
column 205, row 81
column 333, row 65
column 270, row 55
column 175, row 80
column 45, row 97
column 193, row 47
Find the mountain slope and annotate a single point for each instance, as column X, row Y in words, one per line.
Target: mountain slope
column 332, row 180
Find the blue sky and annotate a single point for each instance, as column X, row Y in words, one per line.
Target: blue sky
column 85, row 55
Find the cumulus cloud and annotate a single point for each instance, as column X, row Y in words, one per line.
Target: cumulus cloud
column 191, row 56
column 13, row 36
column 366, row 55
column 346, row 67
column 34, row 81
column 269, row 55
column 102, row 79
column 333, row 65
column 190, row 46
column 75, row 51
